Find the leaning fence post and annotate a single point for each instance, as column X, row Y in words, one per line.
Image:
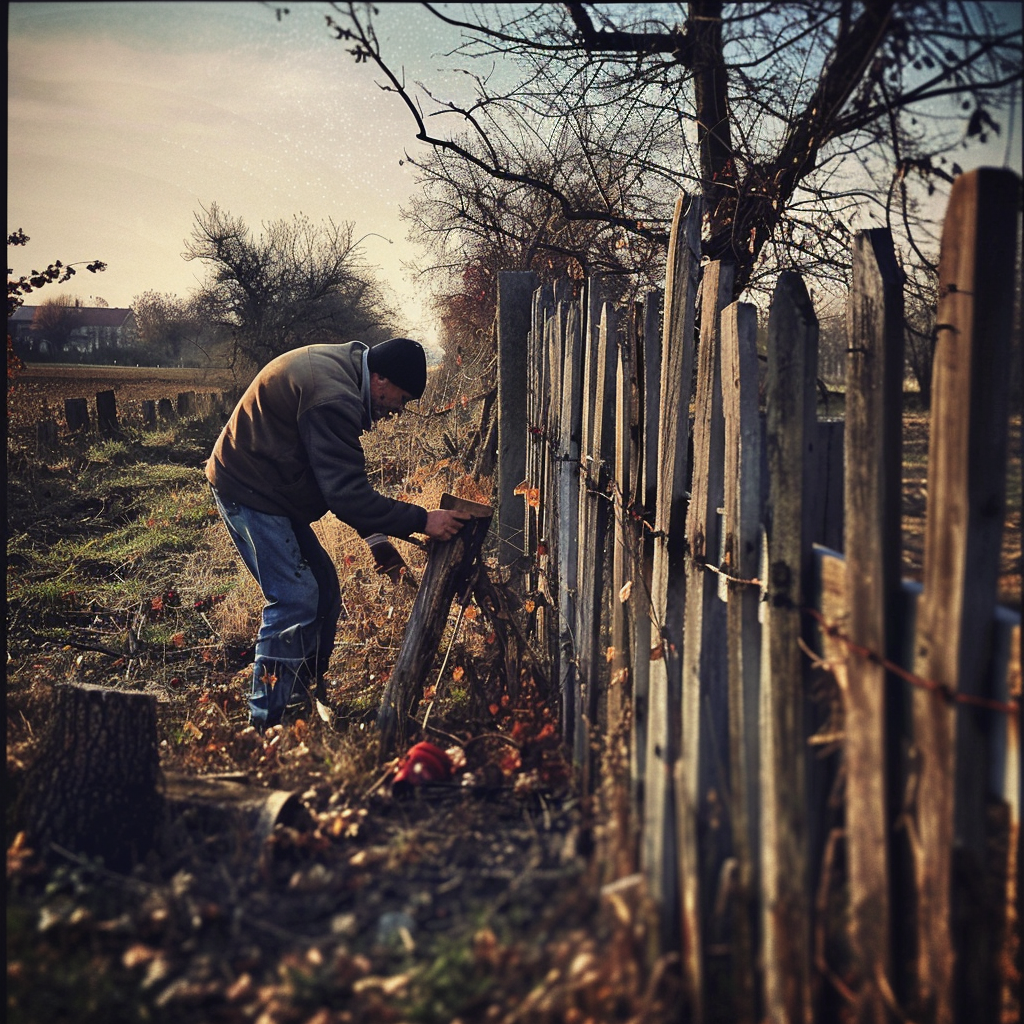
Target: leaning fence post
column 450, row 569
column 791, row 430
column 873, row 490
column 963, row 531
column 515, row 299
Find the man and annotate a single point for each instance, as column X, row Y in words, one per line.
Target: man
column 290, row 452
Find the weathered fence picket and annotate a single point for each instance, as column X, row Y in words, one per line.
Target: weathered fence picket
column 741, row 553
column 966, row 496
column 873, row 489
column 793, row 851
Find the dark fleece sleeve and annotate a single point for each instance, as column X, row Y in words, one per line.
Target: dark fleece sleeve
column 330, row 434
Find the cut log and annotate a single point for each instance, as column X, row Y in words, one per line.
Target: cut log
column 450, row 566
column 93, row 788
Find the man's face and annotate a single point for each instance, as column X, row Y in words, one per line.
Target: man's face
column 386, row 399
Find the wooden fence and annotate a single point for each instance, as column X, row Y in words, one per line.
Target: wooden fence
column 810, row 766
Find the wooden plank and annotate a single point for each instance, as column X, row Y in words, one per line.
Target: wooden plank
column 621, row 858
column 667, row 579
column 649, row 387
column 515, row 291
column 741, row 555
column 702, row 780
column 569, row 510
column 595, row 520
column 872, row 544
column 966, row 497
column 447, row 569
column 791, row 431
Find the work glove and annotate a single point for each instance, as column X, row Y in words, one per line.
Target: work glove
column 386, row 556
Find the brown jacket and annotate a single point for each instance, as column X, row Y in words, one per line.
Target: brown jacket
column 292, row 448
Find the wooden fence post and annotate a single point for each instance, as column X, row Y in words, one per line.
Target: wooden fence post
column 791, row 431
column 593, row 536
column 703, row 779
column 570, row 427
column 76, row 414
column 872, row 545
column 966, row 498
column 667, row 581
column 106, row 414
column 649, row 387
column 621, row 856
column 741, row 557
column 515, row 297
column 449, row 565
column 186, row 405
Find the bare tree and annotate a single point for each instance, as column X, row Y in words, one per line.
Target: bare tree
column 788, row 119
column 295, row 283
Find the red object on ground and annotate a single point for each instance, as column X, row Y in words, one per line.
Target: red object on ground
column 423, row 763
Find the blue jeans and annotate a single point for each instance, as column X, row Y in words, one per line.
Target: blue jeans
column 302, row 604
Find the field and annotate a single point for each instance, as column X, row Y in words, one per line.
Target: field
column 470, row 903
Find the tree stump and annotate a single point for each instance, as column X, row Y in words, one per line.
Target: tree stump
column 450, row 565
column 93, row 787
column 76, row 413
column 106, row 414
column 149, row 414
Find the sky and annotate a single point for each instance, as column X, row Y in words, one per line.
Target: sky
column 124, row 118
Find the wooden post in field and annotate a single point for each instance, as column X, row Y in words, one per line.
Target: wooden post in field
column 186, row 405
column 702, row 846
column 791, row 432
column 106, row 414
column 165, row 411
column 450, row 565
column 76, row 414
column 660, row 861
column 963, row 530
column 741, row 558
column 149, row 414
column 515, row 299
column 570, row 426
column 872, row 545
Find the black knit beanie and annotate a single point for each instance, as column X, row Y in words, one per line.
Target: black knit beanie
column 402, row 361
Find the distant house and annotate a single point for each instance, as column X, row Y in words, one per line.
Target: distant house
column 91, row 329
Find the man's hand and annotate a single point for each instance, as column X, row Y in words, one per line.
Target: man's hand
column 386, row 555
column 443, row 524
